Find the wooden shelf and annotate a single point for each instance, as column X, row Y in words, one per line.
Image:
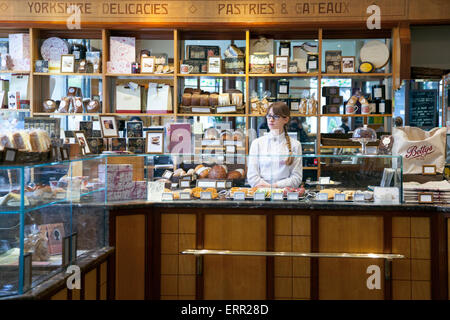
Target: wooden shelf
column 211, row 115
column 13, row 71
column 141, row 75
column 217, row 75
column 309, row 168
column 139, row 114
column 356, row 115
column 353, row 147
column 357, row 75
column 66, row 114
column 14, row 110
column 67, row 74
column 284, row 75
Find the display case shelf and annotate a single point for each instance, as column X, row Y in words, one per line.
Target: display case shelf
column 357, row 75
column 75, row 74
column 14, row 71
column 66, row 114
column 215, row 75
column 141, row 75
column 212, row 115
column 357, row 115
column 283, row 75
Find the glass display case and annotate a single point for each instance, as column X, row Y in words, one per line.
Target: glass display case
column 369, row 179
column 50, row 215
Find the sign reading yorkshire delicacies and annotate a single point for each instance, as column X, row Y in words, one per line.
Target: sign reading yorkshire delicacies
column 240, row 11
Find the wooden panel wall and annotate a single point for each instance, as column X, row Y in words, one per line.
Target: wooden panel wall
column 178, row 233
column 292, row 275
column 234, row 277
column 347, row 278
column 130, row 257
column 411, row 277
column 90, row 285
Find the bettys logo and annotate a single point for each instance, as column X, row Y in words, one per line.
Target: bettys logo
column 414, row 152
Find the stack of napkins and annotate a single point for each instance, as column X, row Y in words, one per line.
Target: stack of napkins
column 439, row 189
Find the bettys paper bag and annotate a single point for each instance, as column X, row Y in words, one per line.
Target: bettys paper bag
column 419, row 147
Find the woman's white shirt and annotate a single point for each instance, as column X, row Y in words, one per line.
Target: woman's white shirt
column 267, row 161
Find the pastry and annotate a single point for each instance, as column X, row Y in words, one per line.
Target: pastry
column 49, row 105
column 238, row 136
column 241, row 171
column 93, row 106
column 211, row 134
column 179, row 173
column 190, row 172
column 186, row 99
column 330, row 192
column 226, row 135
column 198, row 168
column 187, row 190
column 218, row 173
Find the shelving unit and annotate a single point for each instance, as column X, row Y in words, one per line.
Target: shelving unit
column 39, row 82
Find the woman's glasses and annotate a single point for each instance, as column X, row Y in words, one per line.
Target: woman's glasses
column 273, row 116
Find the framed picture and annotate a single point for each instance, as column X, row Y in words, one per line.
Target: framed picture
column 154, row 142
column 136, row 145
column 86, row 127
column 348, row 64
column 95, row 144
column 108, row 124
column 67, row 63
column 333, row 61
column 281, row 64
column 81, row 139
column 147, row 64
column 214, row 65
column 135, row 129
column 9, row 154
column 118, row 144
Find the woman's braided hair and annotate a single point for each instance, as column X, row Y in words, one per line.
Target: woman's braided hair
column 281, row 109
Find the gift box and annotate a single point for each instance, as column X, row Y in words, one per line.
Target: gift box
column 118, row 176
column 118, row 67
column 19, row 46
column 139, row 191
column 122, row 49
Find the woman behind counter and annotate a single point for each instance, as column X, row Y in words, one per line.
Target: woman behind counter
column 271, row 161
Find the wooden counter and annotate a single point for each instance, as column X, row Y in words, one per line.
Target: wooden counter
column 149, row 238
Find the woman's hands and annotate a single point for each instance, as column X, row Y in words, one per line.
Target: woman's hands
column 264, row 184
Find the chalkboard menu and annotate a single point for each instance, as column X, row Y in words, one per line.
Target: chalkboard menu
column 423, row 108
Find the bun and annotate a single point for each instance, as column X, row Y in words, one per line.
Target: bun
column 217, row 172
column 234, row 175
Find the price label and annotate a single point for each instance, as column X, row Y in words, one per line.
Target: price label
column 205, row 195
column 231, row 149
column 166, row 196
column 324, row 180
column 167, row 174
column 185, row 196
column 185, row 184
column 221, row 184
column 259, row 196
column 358, row 197
column 277, row 196
column 339, row 197
column 425, row 197
column 292, row 196
column 206, row 184
column 174, row 185
column 429, row 170
column 322, row 196
column 239, row 196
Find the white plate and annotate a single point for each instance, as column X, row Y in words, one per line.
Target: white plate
column 375, row 52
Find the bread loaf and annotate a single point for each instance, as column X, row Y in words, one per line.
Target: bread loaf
column 218, row 173
column 224, row 99
column 202, row 173
column 213, row 99
column 44, row 140
column 17, row 141
column 188, row 90
column 237, row 99
column 35, row 142
column 204, row 99
column 234, row 175
column 195, row 101
column 186, row 99
column 5, row 142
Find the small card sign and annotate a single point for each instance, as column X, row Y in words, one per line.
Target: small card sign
column 429, row 170
column 277, row 196
column 210, row 143
column 155, row 190
column 205, row 195
column 322, row 196
column 9, row 155
column 230, row 149
column 167, row 196
column 221, row 184
column 324, row 180
column 206, row 184
column 201, row 110
column 167, row 174
column 27, row 271
column 186, row 178
column 66, row 251
column 339, row 197
column 185, row 184
column 239, row 196
column 292, row 196
column 185, row 196
column 174, row 185
column 227, row 109
column 358, row 197
column 426, row 197
column 259, row 196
